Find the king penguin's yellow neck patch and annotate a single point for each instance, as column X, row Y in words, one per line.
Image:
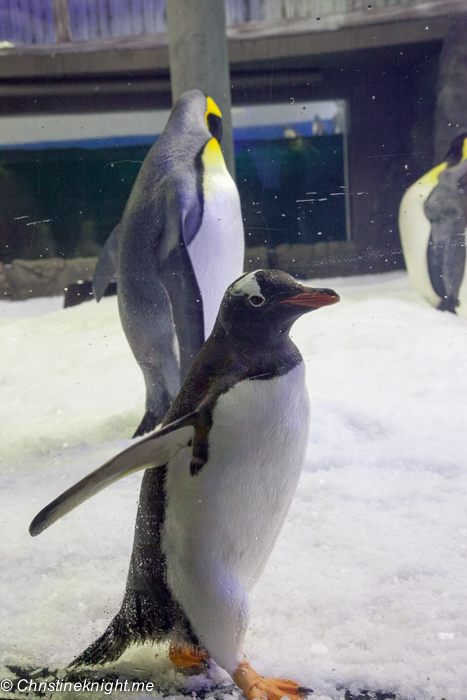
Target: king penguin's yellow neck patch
column 211, row 108
column 464, row 150
column 212, row 155
column 431, row 177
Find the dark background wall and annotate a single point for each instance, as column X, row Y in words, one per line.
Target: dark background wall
column 391, row 93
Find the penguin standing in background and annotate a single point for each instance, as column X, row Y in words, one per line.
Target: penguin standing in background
column 433, row 232
column 223, row 472
column 446, row 209
column 179, row 244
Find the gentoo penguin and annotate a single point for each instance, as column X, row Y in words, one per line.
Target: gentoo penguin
column 222, row 474
column 432, row 240
column 180, row 243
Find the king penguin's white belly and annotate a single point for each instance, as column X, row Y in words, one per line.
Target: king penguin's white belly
column 218, row 249
column 415, row 231
column 221, row 524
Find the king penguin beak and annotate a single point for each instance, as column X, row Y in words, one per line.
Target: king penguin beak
column 313, row 298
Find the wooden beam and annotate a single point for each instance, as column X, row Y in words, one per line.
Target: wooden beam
column 369, row 15
column 62, row 26
column 247, row 30
column 84, row 87
column 149, row 53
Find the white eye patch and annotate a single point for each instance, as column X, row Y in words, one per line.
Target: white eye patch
column 247, row 285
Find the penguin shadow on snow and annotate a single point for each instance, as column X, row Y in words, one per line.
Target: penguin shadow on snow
column 222, row 473
column 179, row 244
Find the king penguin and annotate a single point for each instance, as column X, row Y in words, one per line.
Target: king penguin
column 222, row 474
column 179, row 244
column 432, row 226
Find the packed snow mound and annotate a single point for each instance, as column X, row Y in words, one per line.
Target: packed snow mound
column 68, row 378
column 366, row 586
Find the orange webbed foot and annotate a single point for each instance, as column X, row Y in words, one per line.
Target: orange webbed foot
column 255, row 686
column 186, row 657
column 275, row 689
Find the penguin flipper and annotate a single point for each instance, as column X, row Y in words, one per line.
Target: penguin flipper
column 106, row 267
column 154, row 451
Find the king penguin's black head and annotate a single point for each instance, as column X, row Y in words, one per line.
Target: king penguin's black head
column 213, row 118
column 267, row 303
column 195, row 113
column 456, row 150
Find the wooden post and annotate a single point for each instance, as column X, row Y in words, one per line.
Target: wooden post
column 451, row 104
column 62, row 25
column 199, row 59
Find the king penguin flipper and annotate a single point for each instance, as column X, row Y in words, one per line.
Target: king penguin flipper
column 162, row 315
column 154, row 451
column 178, row 277
column 445, row 209
column 106, row 267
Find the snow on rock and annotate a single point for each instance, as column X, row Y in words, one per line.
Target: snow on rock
column 366, row 586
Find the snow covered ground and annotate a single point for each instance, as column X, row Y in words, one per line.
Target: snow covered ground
column 366, row 588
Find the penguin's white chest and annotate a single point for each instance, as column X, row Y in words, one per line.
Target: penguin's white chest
column 217, row 250
column 415, row 230
column 224, row 521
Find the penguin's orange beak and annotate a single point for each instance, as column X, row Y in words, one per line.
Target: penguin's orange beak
column 313, row 298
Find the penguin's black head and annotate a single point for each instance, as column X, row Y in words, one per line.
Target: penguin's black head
column 267, row 303
column 195, row 116
column 456, row 150
column 213, row 118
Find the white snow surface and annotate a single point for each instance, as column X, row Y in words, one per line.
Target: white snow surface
column 366, row 587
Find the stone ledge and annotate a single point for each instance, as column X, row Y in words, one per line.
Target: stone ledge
column 333, row 259
column 25, row 279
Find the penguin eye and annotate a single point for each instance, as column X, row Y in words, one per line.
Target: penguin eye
column 256, row 300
